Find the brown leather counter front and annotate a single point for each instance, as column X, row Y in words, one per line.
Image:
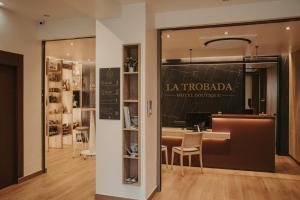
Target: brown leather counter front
column 251, row 145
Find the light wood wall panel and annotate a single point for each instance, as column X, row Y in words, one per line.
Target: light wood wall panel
column 294, row 106
column 272, row 89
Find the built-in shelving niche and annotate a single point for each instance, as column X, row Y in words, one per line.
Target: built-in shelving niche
column 131, row 114
column 63, row 110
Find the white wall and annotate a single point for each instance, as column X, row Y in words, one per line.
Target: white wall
column 151, row 95
column 230, row 14
column 111, row 34
column 67, row 28
column 19, row 35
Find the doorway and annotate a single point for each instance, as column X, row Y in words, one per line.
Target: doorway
column 260, row 62
column 11, row 118
column 69, row 102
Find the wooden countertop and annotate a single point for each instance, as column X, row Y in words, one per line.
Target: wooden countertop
column 241, row 116
column 179, row 132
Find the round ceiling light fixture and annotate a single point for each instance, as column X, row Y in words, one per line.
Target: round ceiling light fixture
column 231, row 42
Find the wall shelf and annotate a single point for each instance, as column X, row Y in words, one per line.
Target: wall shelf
column 131, row 114
column 59, row 88
column 130, row 157
column 130, row 73
column 130, row 101
column 131, row 129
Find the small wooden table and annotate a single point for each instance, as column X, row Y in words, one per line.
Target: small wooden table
column 179, row 132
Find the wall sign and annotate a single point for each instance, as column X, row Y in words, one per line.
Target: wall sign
column 201, row 88
column 109, row 93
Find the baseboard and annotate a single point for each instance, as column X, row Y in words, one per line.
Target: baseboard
column 152, row 194
column 31, row 176
column 105, row 197
column 295, row 160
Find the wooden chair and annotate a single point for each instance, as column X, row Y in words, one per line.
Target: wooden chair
column 191, row 145
column 165, row 150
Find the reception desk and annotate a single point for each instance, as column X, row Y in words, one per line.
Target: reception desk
column 243, row 142
column 169, row 132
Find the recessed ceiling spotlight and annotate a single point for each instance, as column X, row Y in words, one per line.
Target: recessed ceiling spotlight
column 68, row 54
column 72, row 43
column 226, row 33
column 168, row 35
column 287, row 28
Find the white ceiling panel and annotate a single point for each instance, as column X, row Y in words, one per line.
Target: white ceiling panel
column 271, row 39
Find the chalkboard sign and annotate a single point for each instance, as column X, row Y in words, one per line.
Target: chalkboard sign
column 110, row 93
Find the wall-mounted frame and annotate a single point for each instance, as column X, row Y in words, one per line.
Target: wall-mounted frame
column 109, row 93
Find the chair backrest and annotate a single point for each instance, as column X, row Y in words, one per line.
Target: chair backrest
column 191, row 140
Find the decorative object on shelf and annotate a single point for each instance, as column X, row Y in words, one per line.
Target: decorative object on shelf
column 53, row 127
column 53, row 130
column 131, row 180
column 76, row 83
column 76, row 99
column 75, row 125
column 68, row 66
column 54, row 111
column 53, row 122
column 127, row 117
column 66, row 129
column 54, row 77
column 65, row 110
column 134, row 121
column 53, row 65
column 53, row 99
column 66, row 85
column 130, row 64
column 55, row 90
column 76, row 70
column 132, row 150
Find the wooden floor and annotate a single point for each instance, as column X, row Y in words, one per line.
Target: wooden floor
column 66, row 179
column 74, row 179
column 218, row 184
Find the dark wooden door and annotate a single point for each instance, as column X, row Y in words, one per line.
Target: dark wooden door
column 8, row 125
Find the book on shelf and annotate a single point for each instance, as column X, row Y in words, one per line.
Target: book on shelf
column 127, row 117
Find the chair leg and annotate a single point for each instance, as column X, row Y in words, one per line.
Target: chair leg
column 181, row 164
column 167, row 158
column 190, row 160
column 172, row 159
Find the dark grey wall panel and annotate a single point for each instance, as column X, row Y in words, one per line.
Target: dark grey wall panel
column 201, row 88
